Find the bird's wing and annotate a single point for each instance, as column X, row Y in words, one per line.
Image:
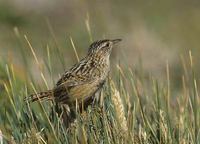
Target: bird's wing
column 80, row 80
column 73, row 75
column 75, row 82
column 63, row 91
column 67, row 77
column 70, row 79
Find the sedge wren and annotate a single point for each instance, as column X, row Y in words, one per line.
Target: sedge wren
column 84, row 79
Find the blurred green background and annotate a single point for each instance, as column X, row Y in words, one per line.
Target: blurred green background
column 155, row 32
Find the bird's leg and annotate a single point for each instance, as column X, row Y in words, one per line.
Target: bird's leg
column 68, row 115
column 96, row 98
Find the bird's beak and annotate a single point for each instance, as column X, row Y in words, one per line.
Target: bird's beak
column 115, row 41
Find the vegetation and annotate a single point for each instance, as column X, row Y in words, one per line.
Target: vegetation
column 158, row 105
column 135, row 107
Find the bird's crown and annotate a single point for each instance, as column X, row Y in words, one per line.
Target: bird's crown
column 102, row 46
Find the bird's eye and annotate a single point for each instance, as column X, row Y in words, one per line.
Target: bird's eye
column 107, row 45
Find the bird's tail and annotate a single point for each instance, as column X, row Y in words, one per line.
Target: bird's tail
column 40, row 96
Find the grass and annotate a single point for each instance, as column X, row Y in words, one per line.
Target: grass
column 135, row 106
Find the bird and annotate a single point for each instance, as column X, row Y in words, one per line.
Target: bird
column 83, row 80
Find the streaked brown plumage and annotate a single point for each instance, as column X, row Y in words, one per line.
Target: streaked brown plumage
column 84, row 79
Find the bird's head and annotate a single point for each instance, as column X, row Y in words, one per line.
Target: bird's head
column 102, row 48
